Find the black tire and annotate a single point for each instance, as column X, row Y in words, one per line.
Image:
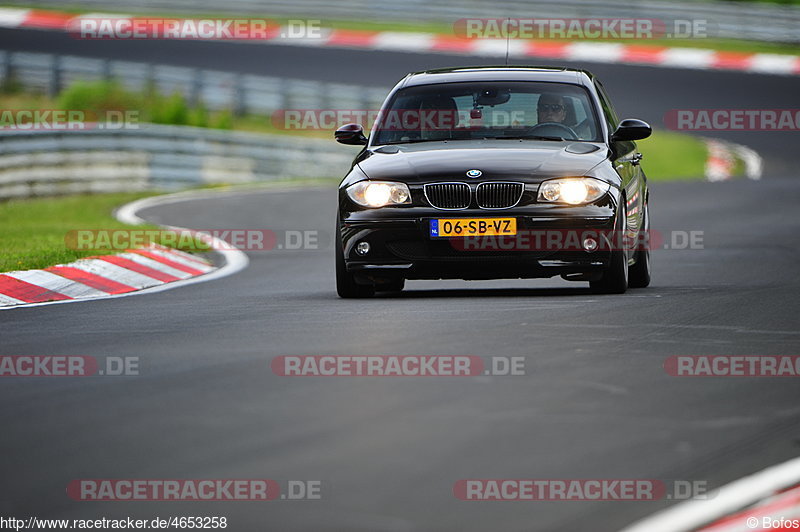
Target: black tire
column 639, row 273
column 346, row 285
column 615, row 277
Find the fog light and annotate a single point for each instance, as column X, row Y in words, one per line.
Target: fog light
column 589, row 244
column 362, row 248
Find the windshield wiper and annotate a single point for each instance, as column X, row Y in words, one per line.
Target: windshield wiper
column 409, row 141
column 527, row 137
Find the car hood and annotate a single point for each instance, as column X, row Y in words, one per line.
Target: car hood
column 532, row 161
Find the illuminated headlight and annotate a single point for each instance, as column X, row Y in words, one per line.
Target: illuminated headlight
column 379, row 193
column 572, row 190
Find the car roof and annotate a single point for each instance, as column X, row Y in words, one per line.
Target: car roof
column 499, row 73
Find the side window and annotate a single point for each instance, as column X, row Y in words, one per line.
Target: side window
column 608, row 110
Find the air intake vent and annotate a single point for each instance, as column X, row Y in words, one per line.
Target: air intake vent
column 449, row 196
column 498, row 195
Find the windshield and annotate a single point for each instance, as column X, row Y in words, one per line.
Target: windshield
column 487, row 110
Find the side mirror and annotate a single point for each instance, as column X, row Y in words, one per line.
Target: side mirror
column 352, row 134
column 631, row 129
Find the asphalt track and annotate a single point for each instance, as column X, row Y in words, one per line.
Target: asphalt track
column 595, row 402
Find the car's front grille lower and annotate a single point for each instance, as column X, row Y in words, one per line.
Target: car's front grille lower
column 447, row 250
column 448, row 195
column 499, row 195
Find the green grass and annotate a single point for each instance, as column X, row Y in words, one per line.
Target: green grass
column 671, row 156
column 40, row 232
column 34, row 233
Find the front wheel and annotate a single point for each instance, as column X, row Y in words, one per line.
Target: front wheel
column 615, row 278
column 346, row 285
column 639, row 273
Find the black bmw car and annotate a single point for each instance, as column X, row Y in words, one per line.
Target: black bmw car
column 490, row 173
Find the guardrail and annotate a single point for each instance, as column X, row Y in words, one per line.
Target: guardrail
column 35, row 163
column 242, row 93
column 739, row 20
column 40, row 163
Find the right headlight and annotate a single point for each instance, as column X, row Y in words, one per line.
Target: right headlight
column 379, row 193
column 572, row 190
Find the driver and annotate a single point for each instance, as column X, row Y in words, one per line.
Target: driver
column 551, row 108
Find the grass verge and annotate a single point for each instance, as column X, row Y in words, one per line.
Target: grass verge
column 34, row 233
column 673, row 156
column 39, row 232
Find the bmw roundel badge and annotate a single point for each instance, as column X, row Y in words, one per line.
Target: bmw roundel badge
column 474, row 173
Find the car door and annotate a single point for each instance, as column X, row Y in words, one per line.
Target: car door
column 626, row 162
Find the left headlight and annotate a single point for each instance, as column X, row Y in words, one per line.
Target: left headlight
column 379, row 193
column 572, row 190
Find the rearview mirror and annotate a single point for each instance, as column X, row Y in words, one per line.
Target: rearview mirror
column 492, row 97
column 352, row 134
column 631, row 129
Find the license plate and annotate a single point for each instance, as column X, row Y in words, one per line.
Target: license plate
column 449, row 227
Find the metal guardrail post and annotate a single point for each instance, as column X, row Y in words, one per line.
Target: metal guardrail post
column 239, row 104
column 285, row 94
column 7, row 71
column 150, row 78
column 324, row 92
column 54, row 82
column 196, row 89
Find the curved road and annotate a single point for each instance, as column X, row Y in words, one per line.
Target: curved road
column 595, row 402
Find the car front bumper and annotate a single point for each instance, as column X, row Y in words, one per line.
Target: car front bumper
column 548, row 243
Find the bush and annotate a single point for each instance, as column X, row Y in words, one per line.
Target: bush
column 199, row 116
column 98, row 97
column 224, row 120
column 172, row 110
